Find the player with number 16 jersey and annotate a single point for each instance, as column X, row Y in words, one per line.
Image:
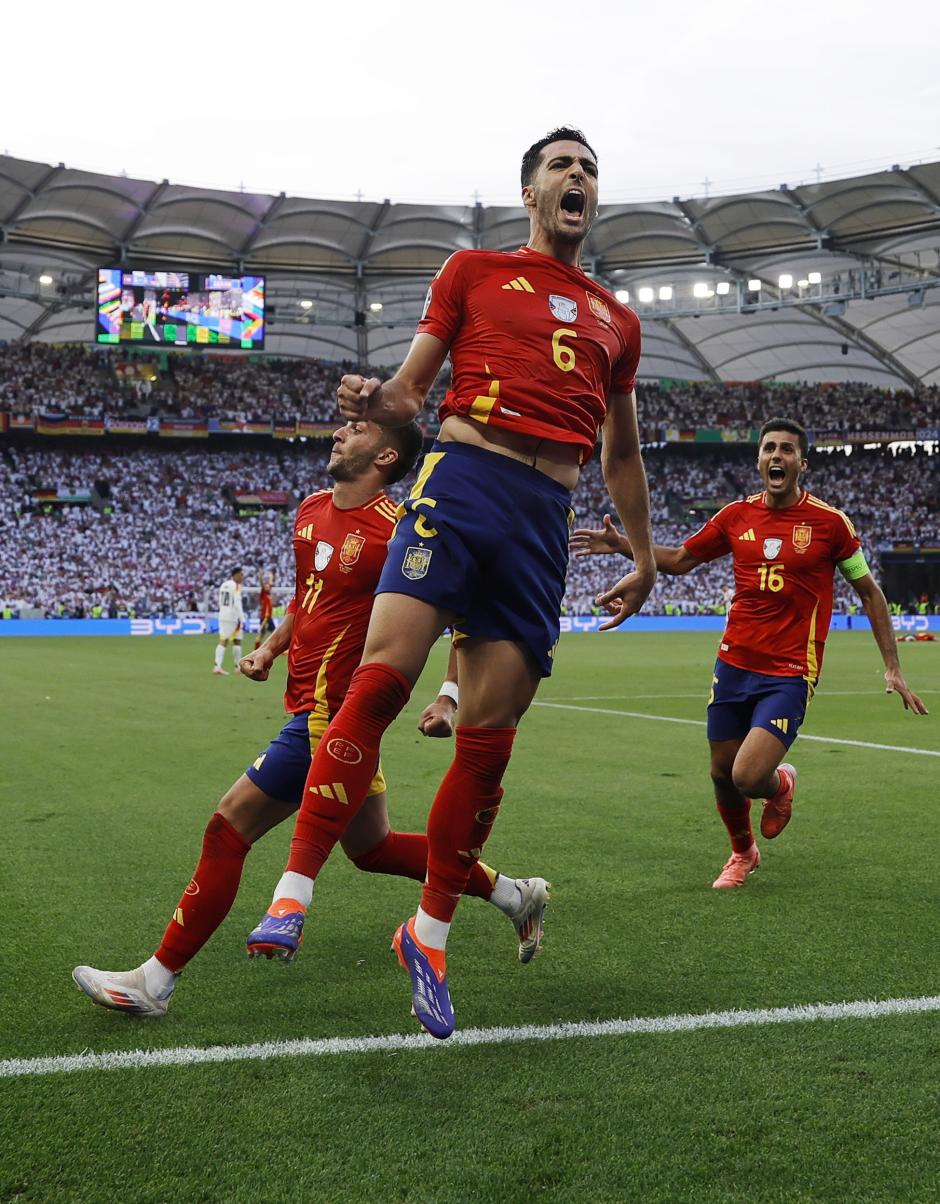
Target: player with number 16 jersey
column 783, row 566
column 785, row 545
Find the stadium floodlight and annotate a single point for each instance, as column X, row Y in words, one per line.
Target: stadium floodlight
column 785, row 281
column 665, row 292
column 814, row 277
column 645, row 295
column 45, row 278
column 623, row 296
column 375, row 306
column 754, row 286
column 305, row 304
column 723, row 288
column 700, row 289
column 802, row 283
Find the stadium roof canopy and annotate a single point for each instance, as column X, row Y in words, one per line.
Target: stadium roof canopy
column 863, row 255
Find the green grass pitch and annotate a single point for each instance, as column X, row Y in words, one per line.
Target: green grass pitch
column 115, row 752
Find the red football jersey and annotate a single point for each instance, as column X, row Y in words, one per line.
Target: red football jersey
column 339, row 556
column 536, row 345
column 265, row 601
column 784, row 561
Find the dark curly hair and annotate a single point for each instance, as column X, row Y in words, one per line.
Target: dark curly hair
column 564, row 133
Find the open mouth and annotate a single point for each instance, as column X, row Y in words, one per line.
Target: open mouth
column 573, row 202
column 776, row 474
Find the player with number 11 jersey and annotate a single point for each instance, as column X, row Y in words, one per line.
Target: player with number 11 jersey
column 339, row 556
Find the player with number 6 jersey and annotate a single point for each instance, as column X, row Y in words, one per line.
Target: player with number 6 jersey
column 785, row 545
column 536, row 344
column 543, row 358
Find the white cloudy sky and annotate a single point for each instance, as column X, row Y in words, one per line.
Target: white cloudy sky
column 415, row 100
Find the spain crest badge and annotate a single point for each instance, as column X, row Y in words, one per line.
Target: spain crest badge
column 352, row 546
column 802, row 535
column 415, row 564
column 599, row 307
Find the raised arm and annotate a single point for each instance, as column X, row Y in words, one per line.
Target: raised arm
column 588, row 541
column 399, row 400
column 625, row 477
column 876, row 608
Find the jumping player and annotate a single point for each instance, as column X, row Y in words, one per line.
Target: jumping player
column 340, row 545
column 542, row 358
column 785, row 544
column 265, row 609
column 231, row 621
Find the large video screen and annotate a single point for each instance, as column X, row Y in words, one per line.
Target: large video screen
column 180, row 309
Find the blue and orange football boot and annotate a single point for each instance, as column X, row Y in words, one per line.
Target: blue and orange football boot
column 280, row 932
column 430, row 998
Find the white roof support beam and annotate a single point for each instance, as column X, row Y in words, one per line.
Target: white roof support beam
column 687, row 343
column 864, row 342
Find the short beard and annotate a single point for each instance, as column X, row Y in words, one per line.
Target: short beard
column 348, row 469
column 550, row 222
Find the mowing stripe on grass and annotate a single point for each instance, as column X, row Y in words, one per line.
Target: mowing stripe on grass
column 564, row 706
column 863, row 1009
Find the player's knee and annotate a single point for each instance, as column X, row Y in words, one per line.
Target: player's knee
column 241, row 813
column 721, row 773
column 748, row 780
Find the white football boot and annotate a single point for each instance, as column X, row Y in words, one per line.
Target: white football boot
column 122, row 990
column 529, row 918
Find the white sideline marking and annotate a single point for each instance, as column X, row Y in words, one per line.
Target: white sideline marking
column 563, row 706
column 862, row 1009
column 704, row 694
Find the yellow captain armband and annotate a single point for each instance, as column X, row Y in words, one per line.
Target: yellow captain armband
column 855, row 566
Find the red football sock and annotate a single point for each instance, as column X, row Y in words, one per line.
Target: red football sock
column 344, row 764
column 737, row 820
column 463, row 815
column 209, row 897
column 406, row 855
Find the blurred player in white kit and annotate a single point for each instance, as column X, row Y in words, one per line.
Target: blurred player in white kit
column 231, row 621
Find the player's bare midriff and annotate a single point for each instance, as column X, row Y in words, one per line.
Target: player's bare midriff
column 560, row 461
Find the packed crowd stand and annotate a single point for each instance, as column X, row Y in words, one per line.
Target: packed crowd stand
column 163, row 531
column 87, row 382
column 80, row 382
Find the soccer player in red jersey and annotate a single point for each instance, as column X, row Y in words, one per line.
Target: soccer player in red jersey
column 786, row 545
column 265, row 608
column 340, row 539
column 543, row 358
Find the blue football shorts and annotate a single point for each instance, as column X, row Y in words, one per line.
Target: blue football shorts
column 281, row 770
column 486, row 538
column 740, row 700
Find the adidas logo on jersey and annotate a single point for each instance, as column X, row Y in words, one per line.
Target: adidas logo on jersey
column 782, row 724
column 748, row 535
column 520, row 284
column 305, row 532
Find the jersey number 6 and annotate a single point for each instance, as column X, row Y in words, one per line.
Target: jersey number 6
column 563, row 355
